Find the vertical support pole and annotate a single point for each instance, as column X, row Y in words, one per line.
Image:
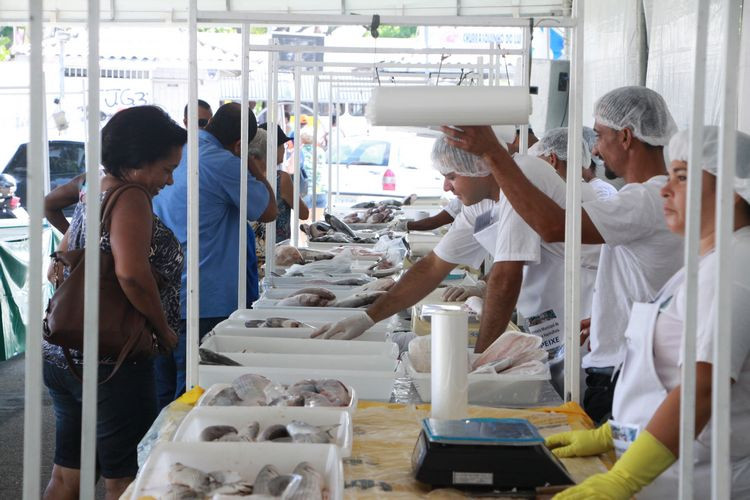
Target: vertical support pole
column 91, row 263
column 692, row 239
column 314, row 208
column 480, row 68
column 523, row 144
column 721, row 404
column 330, row 144
column 32, row 419
column 193, row 229
column 244, row 139
column 338, row 146
column 297, row 148
column 272, row 139
column 573, row 211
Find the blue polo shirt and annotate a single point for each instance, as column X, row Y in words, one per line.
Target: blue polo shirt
column 219, row 201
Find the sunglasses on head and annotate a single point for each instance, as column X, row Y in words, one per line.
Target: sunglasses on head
column 202, row 122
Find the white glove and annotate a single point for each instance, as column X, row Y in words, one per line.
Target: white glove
column 399, row 225
column 346, row 329
column 475, row 304
column 463, row 292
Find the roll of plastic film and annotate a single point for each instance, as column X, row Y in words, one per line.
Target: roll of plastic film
column 449, row 377
column 448, row 105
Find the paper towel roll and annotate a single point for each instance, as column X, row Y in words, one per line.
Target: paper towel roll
column 449, row 371
column 424, row 106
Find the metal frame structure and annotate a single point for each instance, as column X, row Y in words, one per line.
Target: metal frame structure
column 721, row 467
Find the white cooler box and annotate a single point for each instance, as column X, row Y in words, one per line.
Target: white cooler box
column 230, row 344
column 201, row 417
column 237, row 328
column 247, row 460
column 316, row 316
column 314, row 361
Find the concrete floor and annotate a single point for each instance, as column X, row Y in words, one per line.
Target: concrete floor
column 12, row 374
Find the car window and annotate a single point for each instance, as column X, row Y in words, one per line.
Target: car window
column 66, row 159
column 370, row 153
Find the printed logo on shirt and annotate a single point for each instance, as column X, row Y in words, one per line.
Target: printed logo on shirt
column 547, row 326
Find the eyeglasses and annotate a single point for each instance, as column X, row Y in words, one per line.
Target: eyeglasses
column 202, row 122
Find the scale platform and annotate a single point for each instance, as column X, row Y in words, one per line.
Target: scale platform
column 500, row 454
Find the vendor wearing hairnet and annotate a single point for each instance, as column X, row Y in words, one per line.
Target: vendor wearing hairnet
column 633, row 125
column 486, row 225
column 647, row 398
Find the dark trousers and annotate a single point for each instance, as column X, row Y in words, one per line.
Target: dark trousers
column 600, row 389
column 170, row 368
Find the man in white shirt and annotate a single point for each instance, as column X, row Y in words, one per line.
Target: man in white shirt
column 632, row 124
column 602, row 188
column 526, row 273
column 445, row 216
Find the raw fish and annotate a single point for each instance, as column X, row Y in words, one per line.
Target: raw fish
column 275, row 323
column 528, row 368
column 194, row 479
column 379, row 285
column 508, row 345
column 264, row 477
column 334, row 391
column 181, row 492
column 209, row 357
column 250, row 432
column 358, row 299
column 287, row 255
column 249, row 388
column 303, row 300
column 217, row 432
column 225, row 397
column 274, row 432
column 312, row 484
column 314, row 400
column 339, row 226
column 321, row 292
column 303, row 432
column 284, row 485
column 420, row 353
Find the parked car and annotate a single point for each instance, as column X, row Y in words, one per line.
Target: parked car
column 390, row 165
column 67, row 159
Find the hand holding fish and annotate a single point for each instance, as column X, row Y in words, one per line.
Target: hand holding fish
column 346, row 329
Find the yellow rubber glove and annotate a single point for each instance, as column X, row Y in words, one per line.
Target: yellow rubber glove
column 581, row 443
column 645, row 459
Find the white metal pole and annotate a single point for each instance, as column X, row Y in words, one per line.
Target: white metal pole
column 32, row 419
column 297, row 149
column 480, row 69
column 523, row 144
column 244, row 139
column 721, row 404
column 91, row 290
column 193, row 240
column 330, row 145
column 338, row 145
column 271, row 166
column 316, row 82
column 573, row 211
column 692, row 239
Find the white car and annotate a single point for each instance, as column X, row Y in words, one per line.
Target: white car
column 391, row 165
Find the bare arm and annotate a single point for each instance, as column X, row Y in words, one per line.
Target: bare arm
column 434, row 222
column 271, row 211
column 664, row 425
column 130, row 238
column 503, row 286
column 539, row 211
column 287, row 194
column 60, row 198
column 413, row 286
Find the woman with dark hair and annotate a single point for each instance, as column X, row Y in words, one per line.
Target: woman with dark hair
column 141, row 146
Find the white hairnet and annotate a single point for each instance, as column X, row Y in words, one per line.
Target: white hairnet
column 641, row 110
column 448, row 159
column 589, row 137
column 679, row 149
column 257, row 147
column 556, row 141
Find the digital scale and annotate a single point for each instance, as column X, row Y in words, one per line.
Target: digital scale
column 485, row 454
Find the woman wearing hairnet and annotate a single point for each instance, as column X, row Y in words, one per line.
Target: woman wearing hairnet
column 648, row 394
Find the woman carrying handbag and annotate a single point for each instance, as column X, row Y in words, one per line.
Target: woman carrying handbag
column 141, row 146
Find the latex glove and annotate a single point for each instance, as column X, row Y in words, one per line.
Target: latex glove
column 475, row 304
column 581, row 443
column 399, row 225
column 346, row 329
column 463, row 292
column 645, row 459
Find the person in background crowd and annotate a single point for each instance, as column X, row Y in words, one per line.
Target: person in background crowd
column 219, row 171
column 647, row 396
column 602, row 188
column 204, row 114
column 633, row 124
column 514, row 146
column 141, row 146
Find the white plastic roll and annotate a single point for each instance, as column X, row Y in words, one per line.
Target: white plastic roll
column 449, row 371
column 425, row 106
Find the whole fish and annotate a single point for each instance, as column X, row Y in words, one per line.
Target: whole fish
column 218, row 433
column 304, row 300
column 282, row 486
column 315, row 400
column 358, row 299
column 364, row 204
column 302, row 432
column 321, row 292
column 287, row 255
column 379, row 285
column 250, row 388
column 225, row 397
column 311, row 254
column 182, row 475
column 264, row 477
column 209, row 357
column 334, row 391
column 274, row 432
column 275, row 323
column 312, row 484
column 339, row 225
column 249, row 432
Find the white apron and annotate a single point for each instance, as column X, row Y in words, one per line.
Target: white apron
column 638, row 394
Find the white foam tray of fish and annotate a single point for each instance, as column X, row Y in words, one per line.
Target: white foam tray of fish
column 317, row 361
column 237, row 328
column 229, row 344
column 327, row 245
column 204, row 416
column 369, row 384
column 311, row 281
column 216, row 387
column 486, row 389
column 316, row 316
column 247, row 461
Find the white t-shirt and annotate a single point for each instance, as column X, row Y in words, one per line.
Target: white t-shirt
column 639, row 256
column 668, row 338
column 454, row 207
column 602, row 188
column 543, row 283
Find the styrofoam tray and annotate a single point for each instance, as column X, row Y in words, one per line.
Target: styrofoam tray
column 200, row 418
column 281, row 293
column 229, row 344
column 367, row 362
column 316, row 316
column 270, row 305
column 237, row 328
column 369, row 384
column 241, row 458
column 305, row 280
column 487, row 389
column 327, row 245
column 216, row 387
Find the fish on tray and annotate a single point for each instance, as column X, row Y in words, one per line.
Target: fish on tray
column 296, row 431
column 209, row 357
column 358, row 299
column 275, row 323
column 304, row 300
column 256, row 390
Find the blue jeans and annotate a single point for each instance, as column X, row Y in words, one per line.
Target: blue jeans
column 170, row 368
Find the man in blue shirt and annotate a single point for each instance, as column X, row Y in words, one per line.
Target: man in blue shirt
column 219, row 170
